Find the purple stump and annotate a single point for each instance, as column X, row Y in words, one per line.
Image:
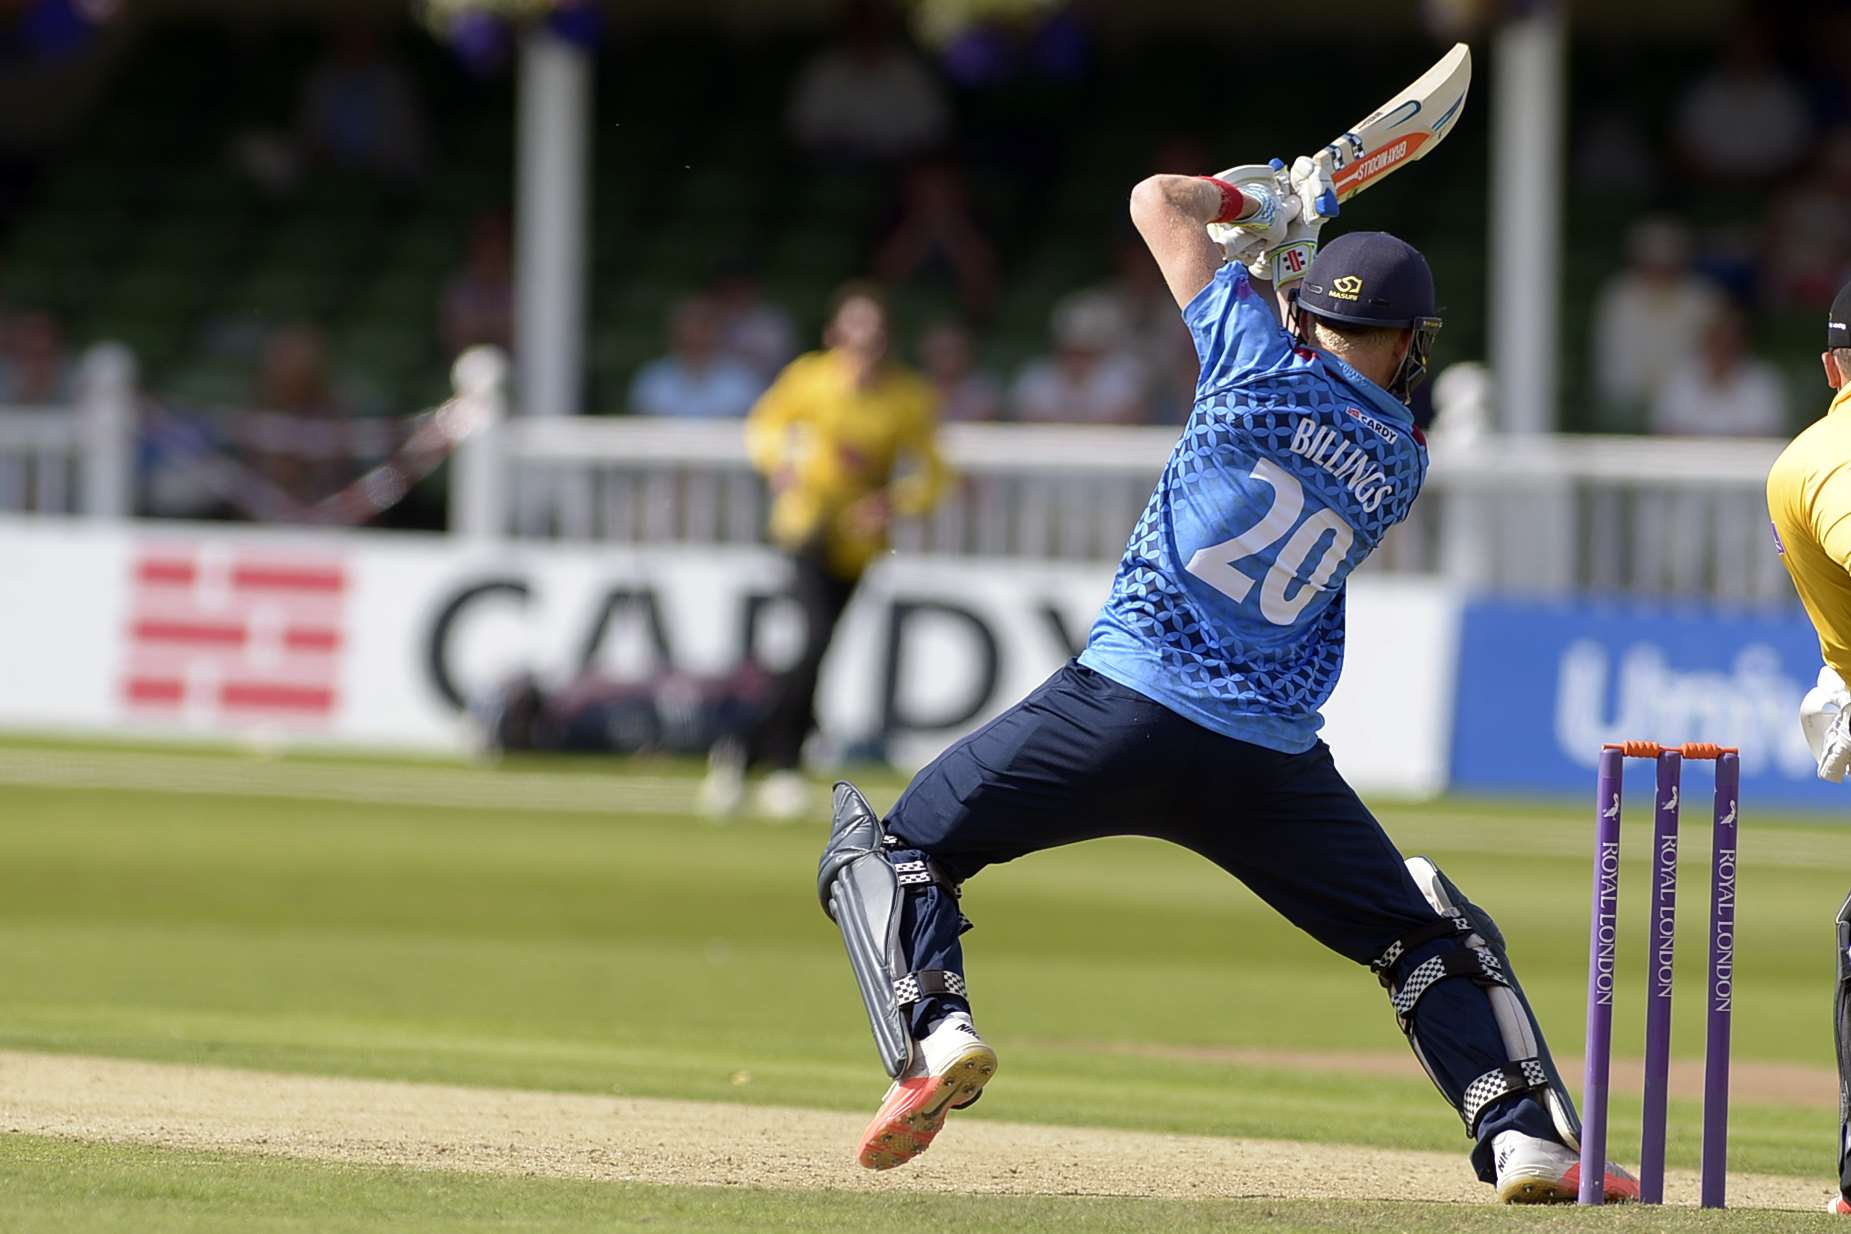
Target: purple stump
column 1719, row 993
column 1603, row 939
column 1662, row 936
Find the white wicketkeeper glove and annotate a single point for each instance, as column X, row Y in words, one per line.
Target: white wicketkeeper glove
column 1280, row 242
column 1825, row 718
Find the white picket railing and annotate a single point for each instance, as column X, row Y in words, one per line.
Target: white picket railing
column 1533, row 515
column 76, row 459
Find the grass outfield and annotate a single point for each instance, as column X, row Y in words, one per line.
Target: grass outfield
column 535, row 944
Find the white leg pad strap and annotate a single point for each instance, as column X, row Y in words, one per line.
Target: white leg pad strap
column 1530, row 1067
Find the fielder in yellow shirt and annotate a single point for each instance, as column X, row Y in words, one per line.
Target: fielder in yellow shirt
column 1809, row 504
column 845, row 437
column 1809, row 501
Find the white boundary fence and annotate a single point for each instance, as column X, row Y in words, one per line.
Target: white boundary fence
column 78, row 459
column 1539, row 515
column 1530, row 515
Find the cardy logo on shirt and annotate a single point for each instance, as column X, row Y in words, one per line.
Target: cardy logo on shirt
column 1348, row 287
column 1373, row 425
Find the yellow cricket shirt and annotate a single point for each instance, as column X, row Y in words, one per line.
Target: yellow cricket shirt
column 836, row 443
column 1809, row 502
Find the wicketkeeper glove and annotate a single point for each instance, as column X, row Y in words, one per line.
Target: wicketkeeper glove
column 1825, row 718
column 1835, row 757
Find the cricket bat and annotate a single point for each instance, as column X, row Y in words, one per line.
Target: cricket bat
column 1399, row 132
column 1402, row 130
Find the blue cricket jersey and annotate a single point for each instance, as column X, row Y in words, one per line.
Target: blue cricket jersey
column 1228, row 605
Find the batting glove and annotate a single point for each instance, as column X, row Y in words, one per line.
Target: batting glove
column 1248, row 240
column 1278, row 244
column 1315, row 196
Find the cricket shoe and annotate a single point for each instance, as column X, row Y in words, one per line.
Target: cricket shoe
column 784, row 797
column 1535, row 1171
column 950, row 1067
column 1838, row 1206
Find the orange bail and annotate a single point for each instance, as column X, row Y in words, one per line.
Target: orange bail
column 1651, row 749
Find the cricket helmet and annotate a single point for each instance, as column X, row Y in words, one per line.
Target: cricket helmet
column 1370, row 278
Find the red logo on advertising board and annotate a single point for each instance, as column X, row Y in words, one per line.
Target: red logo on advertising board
column 227, row 632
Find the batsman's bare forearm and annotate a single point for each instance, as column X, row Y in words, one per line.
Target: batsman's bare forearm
column 1195, row 199
column 1171, row 213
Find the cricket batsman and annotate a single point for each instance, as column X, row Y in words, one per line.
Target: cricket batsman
column 1809, row 504
column 1193, row 713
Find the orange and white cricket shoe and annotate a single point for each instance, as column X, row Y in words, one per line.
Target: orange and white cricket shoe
column 1838, row 1205
column 950, row 1067
column 1533, row 1171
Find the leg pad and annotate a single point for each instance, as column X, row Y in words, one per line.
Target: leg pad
column 1478, row 955
column 861, row 889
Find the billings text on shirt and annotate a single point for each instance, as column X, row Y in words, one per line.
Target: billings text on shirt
column 1349, row 463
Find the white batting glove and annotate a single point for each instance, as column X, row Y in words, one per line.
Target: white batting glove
column 1279, row 243
column 1240, row 246
column 1316, row 196
column 1247, row 241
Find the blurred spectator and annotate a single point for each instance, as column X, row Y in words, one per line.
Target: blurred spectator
column 1087, row 380
column 1003, row 44
column 1829, row 72
column 752, row 328
column 696, row 380
column 34, row 370
column 1649, row 318
column 1154, row 331
column 1746, row 120
column 1018, row 69
column 294, row 376
column 358, row 110
column 1809, row 229
column 478, row 302
column 965, row 392
column 1462, row 410
column 303, row 455
column 867, row 96
column 40, row 33
column 1722, row 391
column 1614, row 148
column 938, row 236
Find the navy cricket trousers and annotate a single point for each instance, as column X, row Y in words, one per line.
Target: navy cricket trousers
column 1084, row 757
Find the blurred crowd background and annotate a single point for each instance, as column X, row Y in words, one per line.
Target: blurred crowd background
column 310, row 214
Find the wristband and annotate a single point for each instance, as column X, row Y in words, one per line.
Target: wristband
column 1233, row 201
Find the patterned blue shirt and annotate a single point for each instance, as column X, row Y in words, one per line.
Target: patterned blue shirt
column 1228, row 605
